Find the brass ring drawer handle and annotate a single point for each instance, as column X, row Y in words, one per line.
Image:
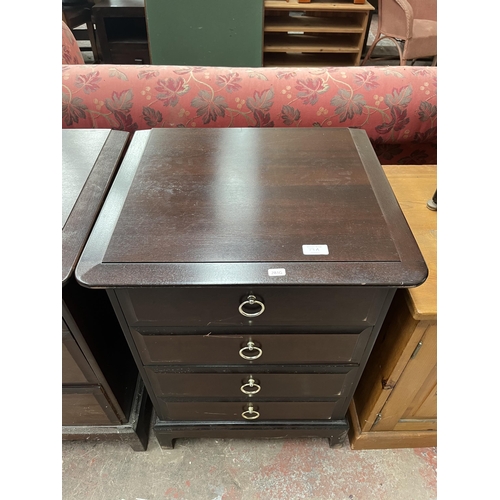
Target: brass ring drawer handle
column 250, row 413
column 252, row 300
column 250, row 347
column 252, row 385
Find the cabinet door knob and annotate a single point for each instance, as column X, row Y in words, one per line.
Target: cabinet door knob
column 250, row 413
column 247, row 352
column 252, row 301
column 250, row 387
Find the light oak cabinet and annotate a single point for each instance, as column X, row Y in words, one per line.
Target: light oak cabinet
column 395, row 404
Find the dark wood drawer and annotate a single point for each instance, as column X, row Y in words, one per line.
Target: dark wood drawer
column 284, row 306
column 261, row 385
column 338, row 348
column 232, row 411
column 86, row 406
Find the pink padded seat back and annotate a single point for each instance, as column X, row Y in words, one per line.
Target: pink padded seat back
column 70, row 51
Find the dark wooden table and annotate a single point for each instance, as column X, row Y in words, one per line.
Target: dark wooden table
column 251, row 270
column 103, row 396
column 121, row 31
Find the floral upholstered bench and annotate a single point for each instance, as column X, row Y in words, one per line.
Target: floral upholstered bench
column 395, row 105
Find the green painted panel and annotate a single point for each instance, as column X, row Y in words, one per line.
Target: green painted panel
column 205, row 32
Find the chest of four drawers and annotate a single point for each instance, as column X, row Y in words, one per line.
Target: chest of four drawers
column 204, row 361
column 251, row 270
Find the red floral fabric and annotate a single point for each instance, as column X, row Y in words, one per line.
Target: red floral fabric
column 70, row 51
column 396, row 106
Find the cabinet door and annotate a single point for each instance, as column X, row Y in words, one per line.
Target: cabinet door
column 205, row 33
column 412, row 405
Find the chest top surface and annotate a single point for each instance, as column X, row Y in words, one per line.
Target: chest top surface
column 262, row 206
column 89, row 159
column 79, row 153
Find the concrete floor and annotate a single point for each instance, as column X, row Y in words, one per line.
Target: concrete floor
column 233, row 469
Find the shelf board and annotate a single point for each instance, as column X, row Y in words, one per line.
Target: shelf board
column 309, row 60
column 310, row 24
column 294, row 5
column 310, row 43
column 129, row 40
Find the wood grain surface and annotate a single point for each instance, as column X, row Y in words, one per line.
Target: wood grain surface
column 89, row 161
column 412, row 197
column 224, row 206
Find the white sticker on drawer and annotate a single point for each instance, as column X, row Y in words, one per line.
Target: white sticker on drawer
column 315, row 249
column 276, row 272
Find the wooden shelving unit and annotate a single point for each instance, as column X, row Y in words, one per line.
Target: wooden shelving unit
column 314, row 34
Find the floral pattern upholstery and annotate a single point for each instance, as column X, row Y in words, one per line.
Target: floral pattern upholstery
column 70, row 51
column 396, row 106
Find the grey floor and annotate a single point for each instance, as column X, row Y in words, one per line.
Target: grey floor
column 237, row 469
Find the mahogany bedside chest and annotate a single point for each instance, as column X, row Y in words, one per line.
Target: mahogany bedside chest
column 251, row 270
column 103, row 396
